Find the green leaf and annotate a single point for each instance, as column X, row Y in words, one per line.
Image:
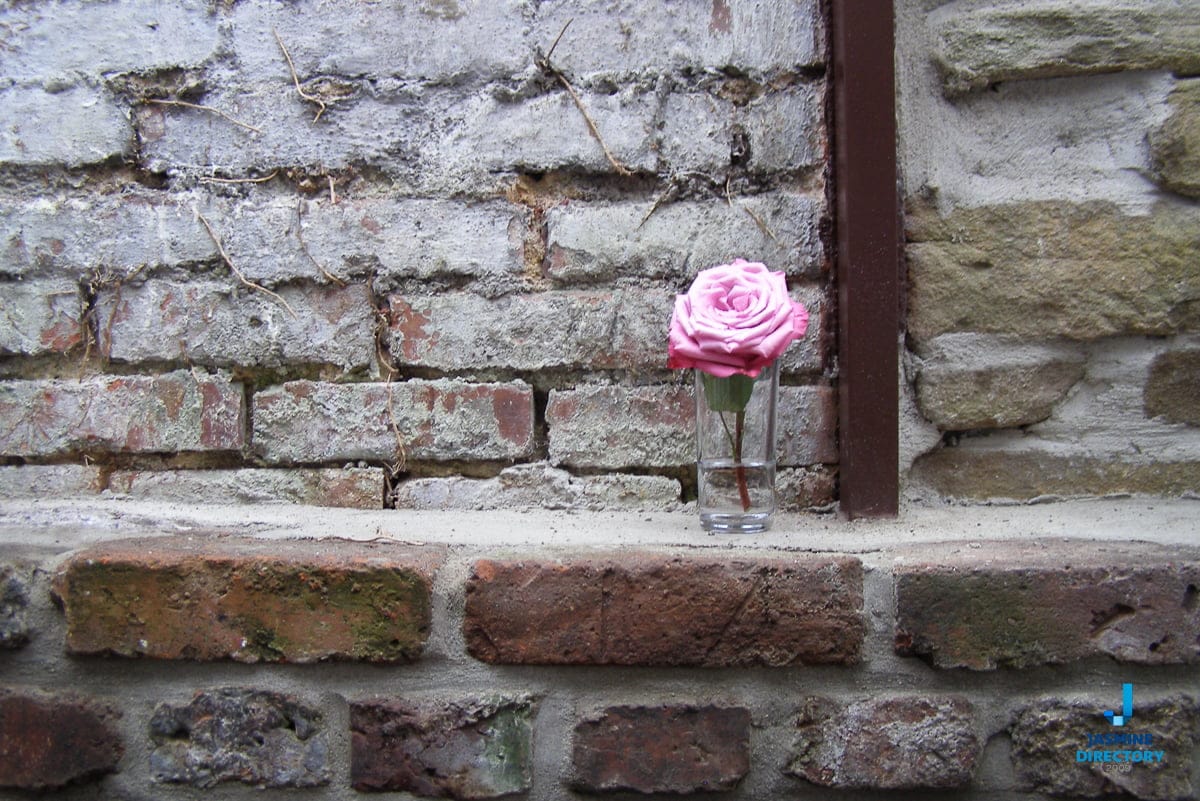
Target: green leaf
column 727, row 394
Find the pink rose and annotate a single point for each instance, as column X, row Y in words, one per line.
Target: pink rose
column 735, row 318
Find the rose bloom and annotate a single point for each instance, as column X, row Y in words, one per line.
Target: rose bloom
column 735, row 318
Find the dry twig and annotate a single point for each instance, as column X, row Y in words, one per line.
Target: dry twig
column 184, row 104
column 304, row 245
column 260, row 180
column 321, row 106
column 229, row 263
column 544, row 64
column 762, row 226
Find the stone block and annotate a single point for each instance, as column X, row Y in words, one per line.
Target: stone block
column 1175, row 146
column 75, row 127
column 49, row 481
column 470, row 749
column 969, row 381
column 1171, row 388
column 1054, row 38
column 593, row 330
column 1048, row 734
column 661, row 749
column 1014, row 604
column 986, row 473
column 175, row 412
column 643, row 609
column 350, row 487
column 1046, row 269
column 40, row 317
column 539, row 486
column 440, row 420
column 890, row 743
column 207, row 598
column 257, row 737
column 590, row 242
column 227, row 324
column 52, row 740
column 15, row 579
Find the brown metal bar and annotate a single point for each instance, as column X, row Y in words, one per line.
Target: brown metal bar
column 867, row 259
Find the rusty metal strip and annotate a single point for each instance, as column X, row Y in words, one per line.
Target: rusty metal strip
column 867, row 257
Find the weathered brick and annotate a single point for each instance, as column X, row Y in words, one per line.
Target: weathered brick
column 615, row 426
column 225, row 324
column 1054, row 38
column 15, row 578
column 49, row 741
column 612, row 426
column 1170, row 390
column 1041, row 270
column 539, row 486
column 248, row 600
column 307, row 421
column 435, row 42
column 987, row 473
column 74, row 127
column 350, row 487
column 53, row 481
column 779, row 131
column 641, row 609
column 806, row 488
column 589, row 242
column 891, row 743
column 1175, row 146
column 1016, row 604
column 180, row 411
column 471, row 749
column 577, row 329
column 664, row 749
column 628, row 37
column 257, row 737
column 40, row 317
column 1048, row 734
column 125, row 36
column 968, row 381
column 271, row 239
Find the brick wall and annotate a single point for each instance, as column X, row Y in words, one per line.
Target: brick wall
column 373, row 254
column 1051, row 163
column 191, row 666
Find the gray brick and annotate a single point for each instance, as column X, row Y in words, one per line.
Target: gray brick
column 592, row 242
column 179, row 411
column 351, row 487
column 63, row 40
column 577, row 329
column 307, row 421
column 394, row 237
column 39, row 317
column 53, row 481
column 632, row 37
column 539, row 486
column 73, row 127
column 226, row 324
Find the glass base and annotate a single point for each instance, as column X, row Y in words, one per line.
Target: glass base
column 747, row 523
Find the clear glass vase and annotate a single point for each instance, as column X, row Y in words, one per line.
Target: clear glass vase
column 735, row 450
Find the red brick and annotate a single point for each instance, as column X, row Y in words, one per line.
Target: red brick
column 595, row 330
column 40, row 316
column 1019, row 604
column 180, row 411
column 664, row 749
column 892, row 743
column 209, row 598
column 48, row 741
column 647, row 609
column 474, row 748
column 442, row 420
